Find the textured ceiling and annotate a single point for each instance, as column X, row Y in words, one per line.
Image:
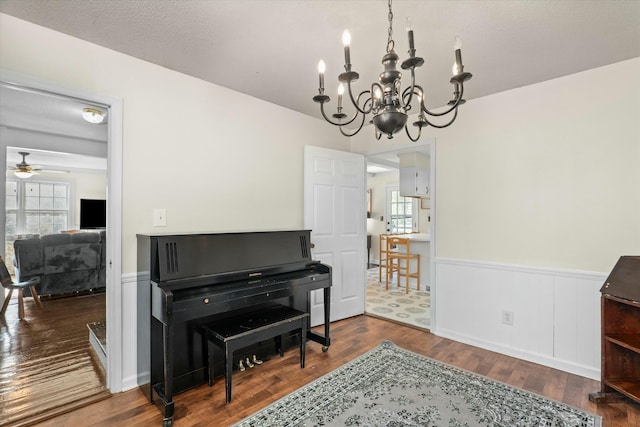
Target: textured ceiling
column 269, row 48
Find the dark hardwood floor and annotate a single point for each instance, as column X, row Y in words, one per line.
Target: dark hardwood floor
column 46, row 364
column 257, row 387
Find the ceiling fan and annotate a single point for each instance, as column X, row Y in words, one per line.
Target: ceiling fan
column 25, row 170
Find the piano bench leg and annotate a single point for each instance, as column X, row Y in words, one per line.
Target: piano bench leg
column 210, row 373
column 278, row 340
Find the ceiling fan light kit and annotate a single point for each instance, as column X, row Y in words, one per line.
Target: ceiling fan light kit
column 23, row 174
column 23, row 170
column 388, row 104
column 93, row 115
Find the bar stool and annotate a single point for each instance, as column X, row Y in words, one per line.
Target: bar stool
column 399, row 260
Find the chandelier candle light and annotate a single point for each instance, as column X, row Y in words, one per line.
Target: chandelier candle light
column 386, row 100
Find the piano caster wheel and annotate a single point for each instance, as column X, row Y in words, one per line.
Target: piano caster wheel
column 325, row 348
column 167, row 422
column 248, row 362
column 240, row 366
column 256, row 361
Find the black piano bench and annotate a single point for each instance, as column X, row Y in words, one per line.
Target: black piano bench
column 242, row 330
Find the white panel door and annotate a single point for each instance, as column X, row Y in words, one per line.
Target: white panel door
column 334, row 211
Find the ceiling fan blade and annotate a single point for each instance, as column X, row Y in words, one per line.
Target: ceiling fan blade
column 52, row 171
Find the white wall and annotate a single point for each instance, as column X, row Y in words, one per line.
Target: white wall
column 545, row 175
column 216, row 159
column 541, row 180
column 542, row 175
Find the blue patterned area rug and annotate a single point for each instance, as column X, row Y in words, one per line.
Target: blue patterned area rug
column 390, row 386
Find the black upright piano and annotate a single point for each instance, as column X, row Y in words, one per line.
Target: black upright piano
column 186, row 280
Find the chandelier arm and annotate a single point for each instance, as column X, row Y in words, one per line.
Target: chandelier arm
column 406, row 93
column 453, row 119
column 356, row 131
column 356, row 103
column 444, row 113
column 406, row 128
column 334, row 123
column 407, row 105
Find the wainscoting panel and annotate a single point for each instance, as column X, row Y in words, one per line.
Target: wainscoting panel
column 555, row 313
column 129, row 329
column 577, row 319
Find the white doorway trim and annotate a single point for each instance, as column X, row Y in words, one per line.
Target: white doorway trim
column 114, row 218
column 430, row 144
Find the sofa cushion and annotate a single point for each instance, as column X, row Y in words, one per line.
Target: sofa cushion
column 62, row 258
column 85, row 238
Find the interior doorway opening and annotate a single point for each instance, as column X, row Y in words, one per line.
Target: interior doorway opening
column 394, row 214
column 32, row 95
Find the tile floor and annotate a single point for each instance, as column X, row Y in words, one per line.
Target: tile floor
column 395, row 304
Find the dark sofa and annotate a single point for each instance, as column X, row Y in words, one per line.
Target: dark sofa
column 66, row 263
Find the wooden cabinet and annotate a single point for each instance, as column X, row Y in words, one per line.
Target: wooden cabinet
column 620, row 305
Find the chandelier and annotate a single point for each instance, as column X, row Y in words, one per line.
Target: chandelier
column 388, row 104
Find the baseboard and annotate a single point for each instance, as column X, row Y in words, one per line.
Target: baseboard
column 129, row 382
column 99, row 350
column 566, row 366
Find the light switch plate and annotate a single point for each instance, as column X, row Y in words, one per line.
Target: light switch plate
column 159, row 217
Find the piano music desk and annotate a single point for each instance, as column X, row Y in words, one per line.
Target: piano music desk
column 242, row 330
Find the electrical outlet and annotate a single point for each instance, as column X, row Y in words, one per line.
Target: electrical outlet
column 507, row 317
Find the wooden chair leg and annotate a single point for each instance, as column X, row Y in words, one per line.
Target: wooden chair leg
column 20, row 304
column 408, row 260
column 386, row 281
column 35, row 296
column 6, row 302
column 418, row 277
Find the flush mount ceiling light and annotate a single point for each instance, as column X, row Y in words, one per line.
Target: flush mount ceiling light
column 93, row 115
column 386, row 101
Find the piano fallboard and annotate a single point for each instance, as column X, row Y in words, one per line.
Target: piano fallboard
column 196, row 303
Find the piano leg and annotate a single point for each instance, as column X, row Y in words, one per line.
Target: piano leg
column 327, row 318
column 325, row 340
column 167, row 399
column 303, row 342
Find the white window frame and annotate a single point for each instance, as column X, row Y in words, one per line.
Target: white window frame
column 415, row 211
column 21, row 210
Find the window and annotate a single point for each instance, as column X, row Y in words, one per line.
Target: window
column 402, row 212
column 35, row 208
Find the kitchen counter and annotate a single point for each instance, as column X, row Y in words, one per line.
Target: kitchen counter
column 417, row 237
column 420, row 244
